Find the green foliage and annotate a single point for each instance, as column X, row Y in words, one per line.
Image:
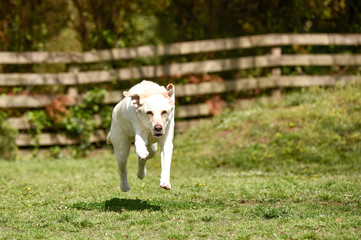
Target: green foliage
column 7, row 138
column 55, row 152
column 80, row 122
column 99, row 25
column 190, row 20
column 38, row 120
column 24, row 26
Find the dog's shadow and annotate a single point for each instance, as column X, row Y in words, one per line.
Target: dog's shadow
column 117, row 205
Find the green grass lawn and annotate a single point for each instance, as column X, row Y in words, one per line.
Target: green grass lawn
column 287, row 170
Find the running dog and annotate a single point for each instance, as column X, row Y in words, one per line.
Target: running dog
column 146, row 117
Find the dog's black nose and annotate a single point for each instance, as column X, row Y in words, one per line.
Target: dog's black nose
column 158, row 128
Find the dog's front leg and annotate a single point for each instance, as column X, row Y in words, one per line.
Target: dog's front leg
column 140, row 142
column 142, row 171
column 166, row 160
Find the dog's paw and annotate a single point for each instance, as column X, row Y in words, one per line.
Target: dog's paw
column 124, row 187
column 141, row 175
column 165, row 185
column 142, row 153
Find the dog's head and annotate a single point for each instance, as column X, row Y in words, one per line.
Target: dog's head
column 154, row 108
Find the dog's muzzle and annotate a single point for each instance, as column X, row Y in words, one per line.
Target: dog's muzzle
column 158, row 130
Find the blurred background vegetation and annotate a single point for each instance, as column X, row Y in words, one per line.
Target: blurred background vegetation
column 85, row 25
column 74, row 25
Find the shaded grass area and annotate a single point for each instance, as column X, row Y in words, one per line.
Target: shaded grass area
column 287, row 170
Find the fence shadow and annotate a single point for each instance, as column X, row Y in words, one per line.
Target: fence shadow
column 117, row 205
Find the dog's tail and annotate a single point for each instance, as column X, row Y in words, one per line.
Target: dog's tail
column 108, row 139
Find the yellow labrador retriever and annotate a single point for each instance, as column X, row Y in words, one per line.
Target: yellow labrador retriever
column 146, row 117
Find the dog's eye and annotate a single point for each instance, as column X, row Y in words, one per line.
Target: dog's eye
column 164, row 113
column 150, row 113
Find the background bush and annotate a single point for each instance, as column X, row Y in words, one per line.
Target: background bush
column 7, row 139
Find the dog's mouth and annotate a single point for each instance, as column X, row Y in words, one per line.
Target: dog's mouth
column 158, row 134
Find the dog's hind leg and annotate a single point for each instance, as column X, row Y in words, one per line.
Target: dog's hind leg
column 121, row 154
column 142, row 171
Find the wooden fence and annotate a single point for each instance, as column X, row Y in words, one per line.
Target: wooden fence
column 274, row 60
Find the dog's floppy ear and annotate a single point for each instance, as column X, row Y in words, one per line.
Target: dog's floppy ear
column 170, row 88
column 136, row 98
column 170, row 93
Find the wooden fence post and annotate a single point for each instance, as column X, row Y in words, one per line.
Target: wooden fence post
column 72, row 91
column 276, row 72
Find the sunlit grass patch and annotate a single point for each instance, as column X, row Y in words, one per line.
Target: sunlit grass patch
column 289, row 170
column 320, row 126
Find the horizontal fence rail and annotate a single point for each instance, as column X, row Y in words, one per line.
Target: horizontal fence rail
column 113, row 97
column 268, row 40
column 209, row 66
column 187, row 115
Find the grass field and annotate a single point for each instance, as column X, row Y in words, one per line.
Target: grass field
column 288, row 170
